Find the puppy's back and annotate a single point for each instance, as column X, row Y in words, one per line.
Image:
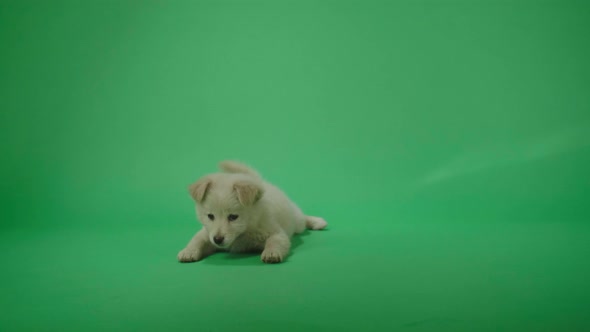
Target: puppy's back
column 281, row 208
column 230, row 166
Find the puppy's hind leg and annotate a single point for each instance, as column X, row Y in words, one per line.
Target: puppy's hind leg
column 315, row 223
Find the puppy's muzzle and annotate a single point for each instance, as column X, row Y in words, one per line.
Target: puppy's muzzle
column 218, row 240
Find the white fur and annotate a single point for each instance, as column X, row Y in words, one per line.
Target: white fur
column 267, row 218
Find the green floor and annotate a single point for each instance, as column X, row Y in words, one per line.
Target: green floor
column 447, row 143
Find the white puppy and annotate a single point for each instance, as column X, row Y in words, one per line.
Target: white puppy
column 240, row 212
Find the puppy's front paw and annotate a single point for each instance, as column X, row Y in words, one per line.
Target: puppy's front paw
column 188, row 255
column 271, row 256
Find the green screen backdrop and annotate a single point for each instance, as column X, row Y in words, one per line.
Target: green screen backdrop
column 447, row 143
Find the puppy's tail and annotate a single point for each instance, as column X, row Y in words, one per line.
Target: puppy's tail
column 315, row 223
column 231, row 166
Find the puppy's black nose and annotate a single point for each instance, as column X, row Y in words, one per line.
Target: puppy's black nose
column 218, row 239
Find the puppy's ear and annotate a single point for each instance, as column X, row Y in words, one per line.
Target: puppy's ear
column 198, row 190
column 248, row 192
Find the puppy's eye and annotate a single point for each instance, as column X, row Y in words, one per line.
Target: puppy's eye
column 211, row 216
column 232, row 217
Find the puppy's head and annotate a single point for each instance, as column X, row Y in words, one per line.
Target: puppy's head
column 226, row 205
